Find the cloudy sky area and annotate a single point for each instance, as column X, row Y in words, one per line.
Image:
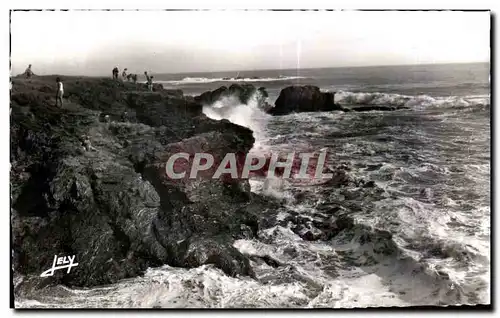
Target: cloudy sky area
column 93, row 42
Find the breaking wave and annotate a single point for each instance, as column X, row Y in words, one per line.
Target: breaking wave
column 247, row 115
column 419, row 101
column 202, row 80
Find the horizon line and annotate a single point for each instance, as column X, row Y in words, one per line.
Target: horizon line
column 274, row 69
column 323, row 67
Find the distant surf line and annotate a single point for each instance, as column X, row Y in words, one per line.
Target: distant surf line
column 202, row 80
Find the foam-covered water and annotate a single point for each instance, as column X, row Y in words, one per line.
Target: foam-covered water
column 204, row 80
column 419, row 101
column 421, row 237
column 433, row 165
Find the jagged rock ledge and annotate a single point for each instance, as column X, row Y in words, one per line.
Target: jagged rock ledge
column 88, row 180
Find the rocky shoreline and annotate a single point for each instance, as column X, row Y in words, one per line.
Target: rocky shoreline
column 88, row 179
column 109, row 205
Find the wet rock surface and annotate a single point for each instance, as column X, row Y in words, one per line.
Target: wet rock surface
column 303, row 99
column 88, row 179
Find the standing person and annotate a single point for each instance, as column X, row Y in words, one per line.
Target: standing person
column 150, row 84
column 124, row 74
column 129, row 76
column 134, row 78
column 60, row 91
column 149, row 81
column 28, row 72
column 115, row 73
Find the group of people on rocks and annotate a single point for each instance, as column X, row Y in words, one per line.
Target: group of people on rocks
column 133, row 77
column 28, row 73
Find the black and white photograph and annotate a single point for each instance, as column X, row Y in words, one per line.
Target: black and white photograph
column 250, row 159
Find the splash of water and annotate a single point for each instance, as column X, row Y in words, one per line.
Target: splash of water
column 247, row 115
column 251, row 116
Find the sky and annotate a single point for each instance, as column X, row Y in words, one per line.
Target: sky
column 93, row 42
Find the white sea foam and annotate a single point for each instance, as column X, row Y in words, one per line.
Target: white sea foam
column 204, row 80
column 247, row 115
column 375, row 98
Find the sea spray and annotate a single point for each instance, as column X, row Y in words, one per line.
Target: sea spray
column 247, row 115
column 251, row 116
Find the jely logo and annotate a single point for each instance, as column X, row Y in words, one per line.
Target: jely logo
column 63, row 262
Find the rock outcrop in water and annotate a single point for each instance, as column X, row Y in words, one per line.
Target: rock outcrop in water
column 298, row 99
column 88, row 180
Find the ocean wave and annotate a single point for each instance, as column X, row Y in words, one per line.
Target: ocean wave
column 203, row 80
column 419, row 101
column 247, row 115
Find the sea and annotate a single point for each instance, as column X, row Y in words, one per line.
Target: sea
column 431, row 161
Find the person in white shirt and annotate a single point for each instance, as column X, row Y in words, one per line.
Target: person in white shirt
column 150, row 83
column 60, row 91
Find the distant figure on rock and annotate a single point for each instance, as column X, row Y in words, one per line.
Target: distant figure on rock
column 124, row 74
column 115, row 73
column 28, row 73
column 129, row 76
column 60, row 91
column 149, row 81
column 134, row 78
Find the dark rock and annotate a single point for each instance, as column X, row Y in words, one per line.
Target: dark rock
column 303, row 99
column 309, row 236
column 366, row 108
column 373, row 167
column 268, row 260
column 343, row 223
column 331, row 227
column 369, row 184
column 321, row 227
column 339, row 179
column 112, row 207
column 384, row 234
